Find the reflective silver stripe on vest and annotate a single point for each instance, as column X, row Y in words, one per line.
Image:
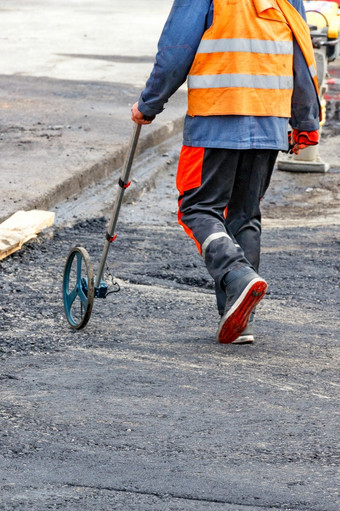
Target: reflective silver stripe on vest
column 212, row 237
column 240, row 80
column 312, row 70
column 246, row 45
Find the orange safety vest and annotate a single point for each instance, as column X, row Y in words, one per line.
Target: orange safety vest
column 244, row 62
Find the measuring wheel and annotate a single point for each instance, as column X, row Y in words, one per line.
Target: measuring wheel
column 78, row 288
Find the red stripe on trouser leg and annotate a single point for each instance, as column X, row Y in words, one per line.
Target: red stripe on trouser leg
column 189, row 171
column 189, row 176
column 225, row 212
column 187, row 230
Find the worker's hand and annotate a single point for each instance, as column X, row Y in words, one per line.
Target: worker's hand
column 138, row 117
column 301, row 139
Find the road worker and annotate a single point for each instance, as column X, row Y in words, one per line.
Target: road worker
column 250, row 69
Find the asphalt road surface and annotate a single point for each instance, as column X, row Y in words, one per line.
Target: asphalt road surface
column 144, row 410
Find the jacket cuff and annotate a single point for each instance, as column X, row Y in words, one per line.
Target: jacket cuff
column 312, row 125
column 146, row 109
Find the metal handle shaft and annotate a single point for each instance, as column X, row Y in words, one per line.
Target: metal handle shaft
column 119, row 197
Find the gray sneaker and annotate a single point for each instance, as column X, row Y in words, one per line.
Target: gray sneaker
column 244, row 289
column 247, row 336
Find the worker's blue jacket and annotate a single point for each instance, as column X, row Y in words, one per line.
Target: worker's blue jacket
column 182, row 33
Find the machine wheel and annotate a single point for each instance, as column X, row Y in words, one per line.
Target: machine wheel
column 78, row 288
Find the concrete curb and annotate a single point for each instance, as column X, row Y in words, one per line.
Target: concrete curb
column 153, row 162
column 104, row 168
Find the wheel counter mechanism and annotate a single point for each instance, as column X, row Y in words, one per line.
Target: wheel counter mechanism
column 80, row 286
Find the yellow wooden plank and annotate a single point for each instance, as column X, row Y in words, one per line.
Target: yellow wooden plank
column 21, row 227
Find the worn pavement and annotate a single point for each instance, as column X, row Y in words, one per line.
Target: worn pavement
column 69, row 73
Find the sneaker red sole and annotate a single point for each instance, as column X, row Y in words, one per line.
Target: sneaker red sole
column 236, row 320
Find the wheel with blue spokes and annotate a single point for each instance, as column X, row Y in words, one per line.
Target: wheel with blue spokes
column 78, row 288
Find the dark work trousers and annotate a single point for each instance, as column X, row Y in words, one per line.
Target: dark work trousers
column 219, row 206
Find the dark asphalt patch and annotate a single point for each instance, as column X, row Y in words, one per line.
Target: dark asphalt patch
column 143, row 409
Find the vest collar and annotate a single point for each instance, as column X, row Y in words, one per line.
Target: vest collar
column 268, row 9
